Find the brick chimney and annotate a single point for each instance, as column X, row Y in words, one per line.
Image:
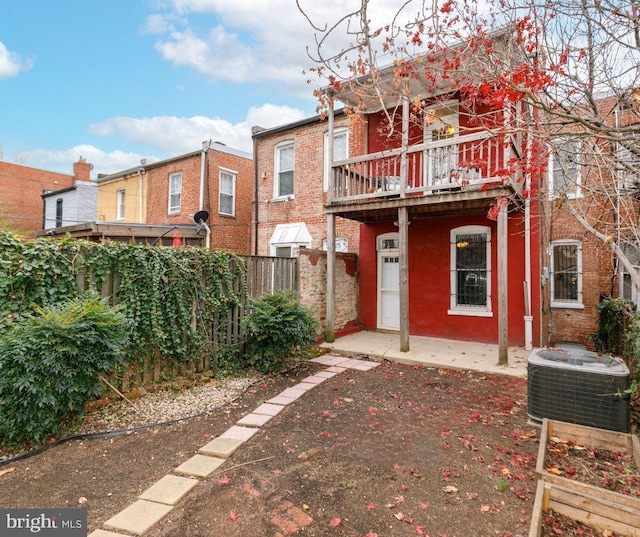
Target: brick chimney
column 82, row 170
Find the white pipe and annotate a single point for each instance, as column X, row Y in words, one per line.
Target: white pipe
column 528, row 318
column 205, row 146
column 207, row 241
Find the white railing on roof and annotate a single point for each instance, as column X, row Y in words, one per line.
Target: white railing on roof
column 462, row 162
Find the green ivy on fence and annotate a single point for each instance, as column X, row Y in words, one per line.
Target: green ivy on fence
column 177, row 300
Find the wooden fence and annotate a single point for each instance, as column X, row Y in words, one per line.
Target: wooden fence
column 262, row 275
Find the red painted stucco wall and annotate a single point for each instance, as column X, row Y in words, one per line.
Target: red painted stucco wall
column 429, row 280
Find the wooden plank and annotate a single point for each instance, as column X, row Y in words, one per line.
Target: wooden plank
column 636, row 449
column 594, row 520
column 592, row 436
column 538, row 509
column 597, row 506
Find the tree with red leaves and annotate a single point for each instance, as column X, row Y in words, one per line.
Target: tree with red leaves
column 563, row 75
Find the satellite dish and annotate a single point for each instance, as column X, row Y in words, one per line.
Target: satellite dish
column 200, row 218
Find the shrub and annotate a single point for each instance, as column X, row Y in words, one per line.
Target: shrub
column 615, row 315
column 276, row 326
column 50, row 365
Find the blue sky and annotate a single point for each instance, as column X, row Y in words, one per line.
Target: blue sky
column 120, row 80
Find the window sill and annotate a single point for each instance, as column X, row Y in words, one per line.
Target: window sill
column 279, row 200
column 568, row 305
column 225, row 215
column 471, row 312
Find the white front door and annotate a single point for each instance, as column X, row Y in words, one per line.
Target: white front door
column 388, row 282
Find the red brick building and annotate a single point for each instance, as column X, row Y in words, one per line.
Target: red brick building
column 578, row 270
column 291, row 187
column 216, row 179
column 21, row 188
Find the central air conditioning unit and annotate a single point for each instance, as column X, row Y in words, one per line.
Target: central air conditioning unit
column 568, row 383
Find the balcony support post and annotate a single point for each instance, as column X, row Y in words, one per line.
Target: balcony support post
column 330, row 331
column 503, row 273
column 403, row 261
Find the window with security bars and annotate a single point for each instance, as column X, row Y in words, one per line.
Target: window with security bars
column 470, row 270
column 566, row 280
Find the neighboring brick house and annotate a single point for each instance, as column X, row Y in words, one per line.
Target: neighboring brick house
column 578, row 269
column 291, row 187
column 21, row 188
column 165, row 195
column 216, row 179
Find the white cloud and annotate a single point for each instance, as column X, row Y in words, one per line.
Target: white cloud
column 11, row 63
column 103, row 161
column 174, row 135
column 258, row 40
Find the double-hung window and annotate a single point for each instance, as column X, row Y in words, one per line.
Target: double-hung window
column 175, row 192
column 340, row 151
column 120, row 206
column 227, row 196
column 565, row 169
column 471, row 271
column 284, row 164
column 566, row 274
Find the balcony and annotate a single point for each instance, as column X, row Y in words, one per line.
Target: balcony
column 460, row 168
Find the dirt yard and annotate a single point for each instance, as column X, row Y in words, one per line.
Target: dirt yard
column 396, row 451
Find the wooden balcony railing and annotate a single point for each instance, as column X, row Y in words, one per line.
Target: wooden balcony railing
column 462, row 162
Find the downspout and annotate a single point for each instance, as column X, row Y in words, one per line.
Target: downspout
column 528, row 318
column 205, row 147
column 140, row 193
column 255, row 192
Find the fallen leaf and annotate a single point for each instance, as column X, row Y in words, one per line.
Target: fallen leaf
column 449, row 489
column 305, row 506
column 335, row 522
column 555, row 471
column 404, row 487
column 225, row 480
column 485, row 508
column 399, row 499
column 232, row 516
column 371, row 534
column 399, row 516
column 7, row 471
column 425, row 505
column 371, row 506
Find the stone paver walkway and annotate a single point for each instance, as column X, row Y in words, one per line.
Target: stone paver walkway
column 159, row 499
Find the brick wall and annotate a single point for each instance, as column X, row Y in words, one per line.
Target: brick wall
column 227, row 232
column 599, row 278
column 309, row 198
column 21, row 187
column 313, row 288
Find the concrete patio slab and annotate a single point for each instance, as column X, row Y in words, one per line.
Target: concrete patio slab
column 105, row 533
column 314, row 379
column 169, row 490
column 431, row 351
column 306, row 386
column 256, row 420
column 335, row 369
column 199, row 466
column 220, row 447
column 293, row 392
column 138, row 517
column 282, row 400
column 329, row 360
column 325, row 374
column 269, row 409
column 239, row 433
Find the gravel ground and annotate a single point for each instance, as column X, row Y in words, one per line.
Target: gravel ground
column 165, row 405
